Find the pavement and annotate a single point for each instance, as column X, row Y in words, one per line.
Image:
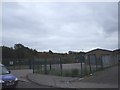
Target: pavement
column 22, row 74
column 108, row 78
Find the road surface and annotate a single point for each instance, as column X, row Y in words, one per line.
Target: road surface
column 29, row 85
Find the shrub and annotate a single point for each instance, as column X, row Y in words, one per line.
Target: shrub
column 67, row 73
column 75, row 72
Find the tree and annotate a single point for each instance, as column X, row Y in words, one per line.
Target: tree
column 7, row 52
column 19, row 51
column 50, row 52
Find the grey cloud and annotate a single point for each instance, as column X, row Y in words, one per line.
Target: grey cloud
column 60, row 26
column 107, row 16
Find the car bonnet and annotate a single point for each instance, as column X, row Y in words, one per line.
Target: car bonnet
column 7, row 77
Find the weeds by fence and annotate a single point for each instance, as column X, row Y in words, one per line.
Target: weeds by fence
column 58, row 67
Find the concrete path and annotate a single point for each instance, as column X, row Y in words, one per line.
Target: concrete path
column 22, row 74
column 66, row 82
column 94, row 81
column 107, row 78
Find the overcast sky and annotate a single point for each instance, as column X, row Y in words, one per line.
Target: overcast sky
column 61, row 27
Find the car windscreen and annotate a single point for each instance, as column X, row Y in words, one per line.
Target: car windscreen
column 3, row 70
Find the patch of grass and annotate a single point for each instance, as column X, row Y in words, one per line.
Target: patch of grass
column 17, row 67
column 54, row 72
column 75, row 73
column 67, row 73
column 71, row 73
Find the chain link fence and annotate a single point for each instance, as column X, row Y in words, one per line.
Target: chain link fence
column 78, row 66
column 13, row 64
column 67, row 65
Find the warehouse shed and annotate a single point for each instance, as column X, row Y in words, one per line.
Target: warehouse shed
column 100, row 58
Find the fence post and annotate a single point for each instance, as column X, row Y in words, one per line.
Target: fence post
column 61, row 66
column 37, row 65
column 96, row 62
column 45, row 66
column 89, row 63
column 14, row 64
column 102, row 64
column 85, row 69
column 30, row 63
column 33, row 65
column 81, row 68
column 101, row 61
column 50, row 65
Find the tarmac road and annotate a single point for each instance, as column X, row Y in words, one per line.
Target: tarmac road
column 32, row 86
column 29, row 85
column 24, row 83
column 107, row 76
